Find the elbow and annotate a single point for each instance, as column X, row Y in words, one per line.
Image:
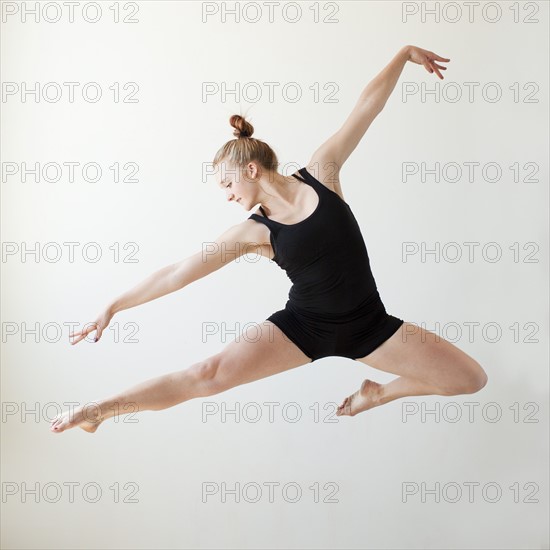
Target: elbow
column 376, row 104
column 178, row 275
column 373, row 102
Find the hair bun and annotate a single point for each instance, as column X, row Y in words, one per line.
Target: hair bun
column 242, row 127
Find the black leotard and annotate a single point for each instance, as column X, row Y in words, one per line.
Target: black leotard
column 333, row 307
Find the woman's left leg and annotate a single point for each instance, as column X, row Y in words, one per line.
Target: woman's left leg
column 426, row 364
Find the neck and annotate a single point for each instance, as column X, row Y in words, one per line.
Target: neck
column 278, row 192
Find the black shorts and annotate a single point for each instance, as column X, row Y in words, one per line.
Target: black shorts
column 352, row 337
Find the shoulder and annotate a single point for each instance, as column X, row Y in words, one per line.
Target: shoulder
column 246, row 236
column 326, row 172
column 243, row 232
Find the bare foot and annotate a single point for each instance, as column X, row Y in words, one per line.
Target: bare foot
column 367, row 397
column 88, row 417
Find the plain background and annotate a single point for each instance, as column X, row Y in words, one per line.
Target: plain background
column 172, row 133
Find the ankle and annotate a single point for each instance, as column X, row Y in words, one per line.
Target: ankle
column 93, row 412
column 102, row 409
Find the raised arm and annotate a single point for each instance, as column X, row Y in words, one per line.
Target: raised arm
column 329, row 158
column 230, row 245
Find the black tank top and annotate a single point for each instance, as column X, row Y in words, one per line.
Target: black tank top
column 324, row 256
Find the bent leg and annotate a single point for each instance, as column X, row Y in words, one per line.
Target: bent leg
column 426, row 363
column 413, row 352
column 263, row 350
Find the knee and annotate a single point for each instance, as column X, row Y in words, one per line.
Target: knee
column 205, row 375
column 472, row 381
column 477, row 380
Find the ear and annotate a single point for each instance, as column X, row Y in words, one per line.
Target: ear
column 252, row 170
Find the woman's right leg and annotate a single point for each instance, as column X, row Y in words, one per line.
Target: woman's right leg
column 262, row 351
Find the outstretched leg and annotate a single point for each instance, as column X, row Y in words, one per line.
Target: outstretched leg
column 263, row 350
column 426, row 363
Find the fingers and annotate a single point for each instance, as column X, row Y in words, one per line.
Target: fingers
column 437, row 72
column 100, row 328
column 432, row 58
column 433, row 67
column 93, row 327
column 80, row 335
column 76, row 337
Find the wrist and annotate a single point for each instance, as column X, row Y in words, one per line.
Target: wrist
column 406, row 51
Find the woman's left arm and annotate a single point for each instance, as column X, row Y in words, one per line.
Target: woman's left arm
column 331, row 154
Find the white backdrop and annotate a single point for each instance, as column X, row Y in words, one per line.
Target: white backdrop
column 472, row 475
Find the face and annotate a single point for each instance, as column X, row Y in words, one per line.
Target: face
column 236, row 183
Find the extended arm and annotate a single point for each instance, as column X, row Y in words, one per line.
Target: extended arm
column 226, row 248
column 157, row 284
column 379, row 89
column 335, row 151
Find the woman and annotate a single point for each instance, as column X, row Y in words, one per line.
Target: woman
column 307, row 228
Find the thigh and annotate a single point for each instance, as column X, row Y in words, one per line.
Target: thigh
column 417, row 353
column 259, row 351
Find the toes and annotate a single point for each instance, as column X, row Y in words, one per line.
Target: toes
column 342, row 408
column 349, row 407
column 59, row 424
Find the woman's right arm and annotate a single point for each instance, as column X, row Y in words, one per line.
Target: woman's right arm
column 227, row 247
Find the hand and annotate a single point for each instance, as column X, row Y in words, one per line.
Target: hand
column 101, row 323
column 427, row 58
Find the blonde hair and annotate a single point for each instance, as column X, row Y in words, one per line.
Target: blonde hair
column 245, row 148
